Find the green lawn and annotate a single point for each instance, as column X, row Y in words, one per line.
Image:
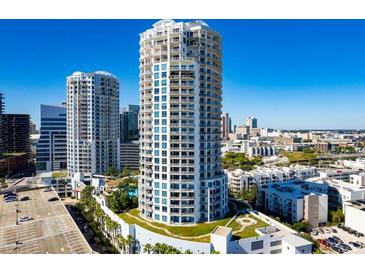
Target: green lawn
column 186, row 231
column 59, row 174
column 13, row 153
column 294, row 156
column 249, row 231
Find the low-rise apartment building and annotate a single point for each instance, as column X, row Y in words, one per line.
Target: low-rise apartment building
column 294, row 201
column 358, row 164
column 340, row 191
column 239, row 180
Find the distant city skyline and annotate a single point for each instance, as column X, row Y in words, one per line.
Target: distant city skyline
column 289, row 74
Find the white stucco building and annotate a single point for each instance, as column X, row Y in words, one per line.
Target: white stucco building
column 181, row 180
column 239, row 180
column 294, row 201
column 92, row 123
column 355, row 215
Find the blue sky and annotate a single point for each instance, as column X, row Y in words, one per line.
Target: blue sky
column 287, row 73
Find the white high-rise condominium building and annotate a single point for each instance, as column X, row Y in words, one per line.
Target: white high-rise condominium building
column 180, row 124
column 92, row 123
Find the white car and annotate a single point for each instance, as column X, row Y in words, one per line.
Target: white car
column 25, row 219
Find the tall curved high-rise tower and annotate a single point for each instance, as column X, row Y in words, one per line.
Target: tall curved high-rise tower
column 180, row 123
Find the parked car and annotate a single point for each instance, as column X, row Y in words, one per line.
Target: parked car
column 26, row 198
column 48, row 189
column 25, row 219
column 327, row 230
column 355, row 244
column 52, row 199
column 362, row 245
column 321, row 231
column 10, row 199
column 314, row 233
column 333, row 230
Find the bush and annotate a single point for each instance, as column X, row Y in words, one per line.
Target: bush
column 233, row 160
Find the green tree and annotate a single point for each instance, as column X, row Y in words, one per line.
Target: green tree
column 249, row 195
column 165, row 249
column 130, row 244
column 337, row 216
column 301, row 226
column 120, row 200
column 188, row 251
column 3, row 183
column 111, row 171
column 122, row 243
column 233, row 160
column 125, row 172
column 214, row 252
column 148, row 248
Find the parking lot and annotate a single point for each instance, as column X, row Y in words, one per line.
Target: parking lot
column 344, row 236
column 51, row 229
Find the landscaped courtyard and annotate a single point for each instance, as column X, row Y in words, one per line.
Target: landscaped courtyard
column 244, row 226
column 198, row 232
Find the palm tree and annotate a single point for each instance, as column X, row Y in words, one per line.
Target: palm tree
column 130, row 244
column 148, row 248
column 122, row 242
column 98, row 213
column 114, row 226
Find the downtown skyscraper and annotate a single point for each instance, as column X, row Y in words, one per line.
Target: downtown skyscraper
column 51, row 151
column 92, row 123
column 181, row 180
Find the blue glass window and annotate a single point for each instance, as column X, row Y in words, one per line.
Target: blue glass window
column 156, row 68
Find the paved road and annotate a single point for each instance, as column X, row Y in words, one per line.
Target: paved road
column 86, row 230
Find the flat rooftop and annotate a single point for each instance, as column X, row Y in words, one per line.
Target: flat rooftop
column 359, row 204
column 52, row 229
column 293, row 188
column 222, row 231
